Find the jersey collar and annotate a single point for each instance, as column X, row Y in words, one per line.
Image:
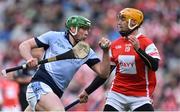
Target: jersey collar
column 67, row 37
column 138, row 35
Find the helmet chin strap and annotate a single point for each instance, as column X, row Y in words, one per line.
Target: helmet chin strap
column 73, row 34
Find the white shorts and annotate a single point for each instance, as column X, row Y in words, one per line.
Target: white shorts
column 34, row 92
column 122, row 102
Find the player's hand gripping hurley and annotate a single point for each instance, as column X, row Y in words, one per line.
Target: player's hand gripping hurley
column 79, row 51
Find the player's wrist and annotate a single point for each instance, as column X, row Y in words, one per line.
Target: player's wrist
column 106, row 51
column 137, row 49
column 85, row 92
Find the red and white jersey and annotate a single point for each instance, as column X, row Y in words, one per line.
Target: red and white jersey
column 133, row 78
column 9, row 95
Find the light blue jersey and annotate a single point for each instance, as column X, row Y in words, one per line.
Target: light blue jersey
column 62, row 71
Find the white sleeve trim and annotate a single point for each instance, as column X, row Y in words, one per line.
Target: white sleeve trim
column 152, row 51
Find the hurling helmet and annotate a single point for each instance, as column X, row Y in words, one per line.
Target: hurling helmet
column 78, row 21
column 132, row 14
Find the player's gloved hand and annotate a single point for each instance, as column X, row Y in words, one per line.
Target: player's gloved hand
column 83, row 97
column 104, row 43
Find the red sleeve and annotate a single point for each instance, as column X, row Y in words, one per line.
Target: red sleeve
column 144, row 42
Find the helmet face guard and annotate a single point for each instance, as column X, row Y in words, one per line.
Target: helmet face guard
column 78, row 22
column 130, row 15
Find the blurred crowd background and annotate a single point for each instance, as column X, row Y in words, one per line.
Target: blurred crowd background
column 23, row 19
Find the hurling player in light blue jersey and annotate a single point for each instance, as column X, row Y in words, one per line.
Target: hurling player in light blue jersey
column 51, row 79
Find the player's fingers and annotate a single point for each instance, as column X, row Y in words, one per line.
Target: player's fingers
column 104, row 43
column 32, row 63
column 83, row 99
column 133, row 40
column 130, row 40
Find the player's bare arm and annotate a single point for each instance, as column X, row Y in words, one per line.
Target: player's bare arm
column 25, row 51
column 103, row 68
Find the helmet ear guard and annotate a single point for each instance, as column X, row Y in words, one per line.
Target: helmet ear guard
column 130, row 25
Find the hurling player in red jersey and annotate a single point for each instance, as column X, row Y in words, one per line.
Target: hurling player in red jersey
column 9, row 99
column 136, row 59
